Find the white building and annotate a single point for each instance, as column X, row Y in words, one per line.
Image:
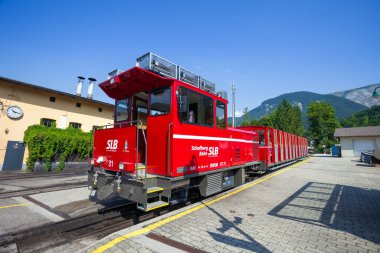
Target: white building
column 354, row 140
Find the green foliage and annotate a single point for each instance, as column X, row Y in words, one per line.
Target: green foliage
column 245, row 117
column 369, row 117
column 322, row 124
column 285, row 117
column 44, row 143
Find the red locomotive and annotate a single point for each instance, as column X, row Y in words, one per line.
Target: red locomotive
column 170, row 135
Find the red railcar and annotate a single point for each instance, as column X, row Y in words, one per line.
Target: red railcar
column 171, row 136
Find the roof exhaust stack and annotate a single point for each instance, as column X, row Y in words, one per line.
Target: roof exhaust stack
column 80, row 85
column 90, row 91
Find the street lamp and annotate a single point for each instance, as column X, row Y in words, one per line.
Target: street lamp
column 376, row 94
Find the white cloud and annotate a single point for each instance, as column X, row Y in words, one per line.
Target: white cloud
column 238, row 114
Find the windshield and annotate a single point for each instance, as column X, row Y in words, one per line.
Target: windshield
column 121, row 110
column 160, row 102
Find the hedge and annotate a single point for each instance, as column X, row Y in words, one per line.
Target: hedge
column 44, row 143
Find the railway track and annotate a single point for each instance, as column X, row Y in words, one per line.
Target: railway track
column 96, row 225
column 27, row 175
column 30, row 191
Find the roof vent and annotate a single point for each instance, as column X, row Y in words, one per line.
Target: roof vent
column 90, row 91
column 80, row 85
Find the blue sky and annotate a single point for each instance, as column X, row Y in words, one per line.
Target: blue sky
column 266, row 47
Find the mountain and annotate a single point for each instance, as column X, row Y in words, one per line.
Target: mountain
column 343, row 107
column 362, row 95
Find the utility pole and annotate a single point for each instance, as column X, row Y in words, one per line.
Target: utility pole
column 233, row 104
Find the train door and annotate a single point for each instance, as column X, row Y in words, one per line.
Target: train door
column 268, row 142
column 159, row 118
column 286, row 146
column 275, row 137
column 281, row 146
column 139, row 114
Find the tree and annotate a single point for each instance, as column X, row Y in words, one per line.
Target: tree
column 288, row 118
column 282, row 116
column 245, row 117
column 297, row 125
column 322, row 124
column 285, row 117
column 368, row 117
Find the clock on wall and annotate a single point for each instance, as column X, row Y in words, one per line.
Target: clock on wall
column 14, row 112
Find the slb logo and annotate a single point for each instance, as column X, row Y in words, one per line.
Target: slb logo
column 112, row 144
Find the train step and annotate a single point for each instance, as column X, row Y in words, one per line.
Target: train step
column 141, row 166
column 152, row 206
column 154, row 190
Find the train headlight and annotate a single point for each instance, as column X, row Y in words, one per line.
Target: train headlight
column 121, row 166
column 92, row 162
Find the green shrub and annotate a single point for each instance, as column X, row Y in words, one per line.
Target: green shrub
column 45, row 143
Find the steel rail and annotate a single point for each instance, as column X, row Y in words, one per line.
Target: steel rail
column 26, row 175
column 30, row 191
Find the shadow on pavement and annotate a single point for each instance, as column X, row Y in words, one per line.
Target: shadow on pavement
column 248, row 244
column 365, row 165
column 345, row 208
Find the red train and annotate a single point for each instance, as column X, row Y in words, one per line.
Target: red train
column 171, row 136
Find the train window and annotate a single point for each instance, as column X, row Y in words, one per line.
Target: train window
column 160, row 102
column 220, row 114
column 200, row 108
column 122, row 110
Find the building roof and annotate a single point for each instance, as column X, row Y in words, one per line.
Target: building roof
column 358, row 132
column 54, row 91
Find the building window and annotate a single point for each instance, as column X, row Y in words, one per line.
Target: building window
column 52, row 99
column 48, row 122
column 79, row 105
column 100, row 109
column 75, row 125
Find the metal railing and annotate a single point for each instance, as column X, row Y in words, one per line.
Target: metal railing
column 163, row 67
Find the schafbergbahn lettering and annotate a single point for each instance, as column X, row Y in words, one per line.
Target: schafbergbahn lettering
column 171, row 136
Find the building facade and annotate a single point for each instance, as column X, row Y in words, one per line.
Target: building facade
column 23, row 105
column 355, row 140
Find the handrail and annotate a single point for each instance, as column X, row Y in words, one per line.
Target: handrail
column 168, row 150
column 119, row 124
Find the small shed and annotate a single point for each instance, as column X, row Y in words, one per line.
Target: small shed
column 355, row 140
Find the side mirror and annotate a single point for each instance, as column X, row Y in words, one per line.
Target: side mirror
column 182, row 103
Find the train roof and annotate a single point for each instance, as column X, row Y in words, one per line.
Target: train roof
column 138, row 79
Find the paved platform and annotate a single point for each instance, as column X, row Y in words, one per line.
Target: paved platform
column 324, row 204
column 26, row 212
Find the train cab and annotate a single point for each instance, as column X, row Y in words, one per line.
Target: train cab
column 170, row 134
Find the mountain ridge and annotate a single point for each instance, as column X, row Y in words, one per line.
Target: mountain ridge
column 361, row 95
column 343, row 107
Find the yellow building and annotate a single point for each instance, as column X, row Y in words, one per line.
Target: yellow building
column 23, row 104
